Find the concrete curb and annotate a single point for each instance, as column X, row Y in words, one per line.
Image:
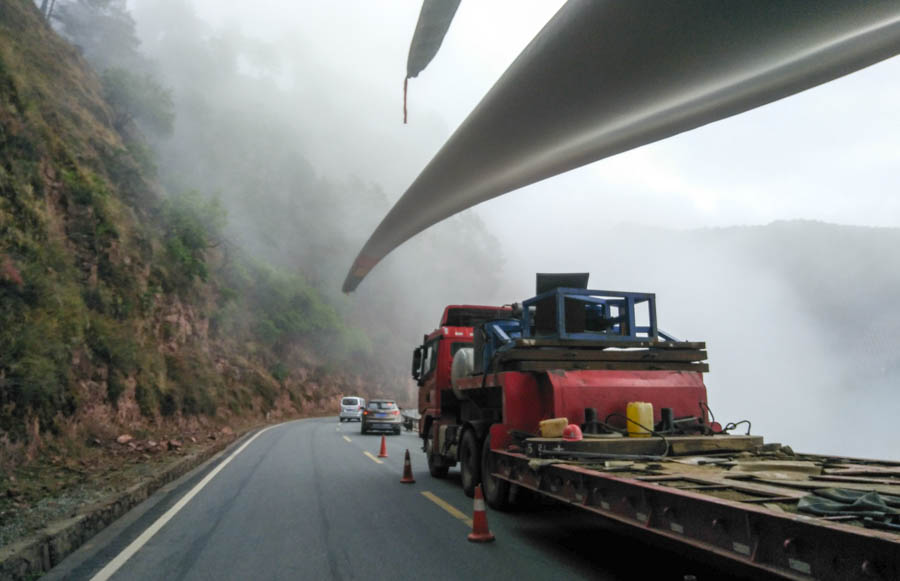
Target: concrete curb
column 37, row 554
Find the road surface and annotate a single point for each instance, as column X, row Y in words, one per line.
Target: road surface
column 310, row 499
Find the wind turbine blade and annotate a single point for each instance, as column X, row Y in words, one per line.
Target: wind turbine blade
column 604, row 77
column 434, row 21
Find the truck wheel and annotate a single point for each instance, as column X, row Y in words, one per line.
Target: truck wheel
column 437, row 466
column 496, row 490
column 470, row 462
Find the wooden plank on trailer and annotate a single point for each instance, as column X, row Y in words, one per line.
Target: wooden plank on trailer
column 557, row 354
column 857, row 479
column 680, row 345
column 721, row 477
column 772, row 499
column 652, row 445
column 703, row 444
column 551, row 342
column 810, row 485
column 601, row 365
column 759, row 489
column 865, row 471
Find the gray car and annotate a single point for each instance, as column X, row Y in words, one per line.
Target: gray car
column 381, row 415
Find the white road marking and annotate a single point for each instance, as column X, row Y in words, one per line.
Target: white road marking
column 129, row 551
column 346, row 438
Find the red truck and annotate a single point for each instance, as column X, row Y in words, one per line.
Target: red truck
column 489, row 376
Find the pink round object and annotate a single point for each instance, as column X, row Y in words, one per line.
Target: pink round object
column 572, row 433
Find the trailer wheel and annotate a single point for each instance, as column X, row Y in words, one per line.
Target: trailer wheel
column 470, row 462
column 437, row 466
column 496, row 490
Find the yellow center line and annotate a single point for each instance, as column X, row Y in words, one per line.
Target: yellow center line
column 346, row 438
column 447, row 506
column 373, row 458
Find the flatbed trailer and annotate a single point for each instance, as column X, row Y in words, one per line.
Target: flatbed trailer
column 741, row 506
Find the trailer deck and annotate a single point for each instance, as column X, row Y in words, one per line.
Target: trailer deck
column 739, row 499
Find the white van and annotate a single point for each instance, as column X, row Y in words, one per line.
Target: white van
column 352, row 408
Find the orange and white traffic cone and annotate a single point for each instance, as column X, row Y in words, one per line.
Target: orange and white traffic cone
column 407, row 470
column 480, row 532
column 383, row 453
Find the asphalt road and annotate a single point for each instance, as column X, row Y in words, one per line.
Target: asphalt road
column 309, row 499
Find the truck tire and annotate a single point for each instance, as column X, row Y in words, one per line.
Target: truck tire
column 496, row 490
column 470, row 462
column 437, row 466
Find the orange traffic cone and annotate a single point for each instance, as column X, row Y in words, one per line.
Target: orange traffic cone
column 480, row 532
column 407, row 470
column 383, row 453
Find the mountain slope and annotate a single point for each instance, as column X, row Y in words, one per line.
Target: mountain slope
column 120, row 305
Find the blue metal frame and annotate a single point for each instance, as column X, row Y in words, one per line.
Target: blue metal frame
column 500, row 334
column 602, row 304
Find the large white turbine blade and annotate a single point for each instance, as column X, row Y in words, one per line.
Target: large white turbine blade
column 604, row 77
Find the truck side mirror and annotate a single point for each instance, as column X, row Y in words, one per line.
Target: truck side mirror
column 417, row 363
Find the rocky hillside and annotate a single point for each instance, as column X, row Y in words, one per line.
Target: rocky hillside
column 122, row 306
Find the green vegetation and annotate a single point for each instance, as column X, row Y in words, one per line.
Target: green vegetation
column 193, row 226
column 110, row 289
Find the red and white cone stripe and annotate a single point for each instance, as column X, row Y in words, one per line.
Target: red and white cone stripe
column 480, row 532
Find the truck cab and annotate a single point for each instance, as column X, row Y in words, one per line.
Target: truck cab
column 432, row 360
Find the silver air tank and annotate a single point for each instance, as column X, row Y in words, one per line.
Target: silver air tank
column 463, row 366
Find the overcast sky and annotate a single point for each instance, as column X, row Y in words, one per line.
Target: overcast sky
column 828, row 154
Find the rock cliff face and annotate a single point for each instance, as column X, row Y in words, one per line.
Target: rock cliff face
column 120, row 307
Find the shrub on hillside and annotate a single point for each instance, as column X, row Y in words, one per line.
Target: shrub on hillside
column 193, row 225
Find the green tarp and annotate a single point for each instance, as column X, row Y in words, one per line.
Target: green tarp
column 875, row 510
